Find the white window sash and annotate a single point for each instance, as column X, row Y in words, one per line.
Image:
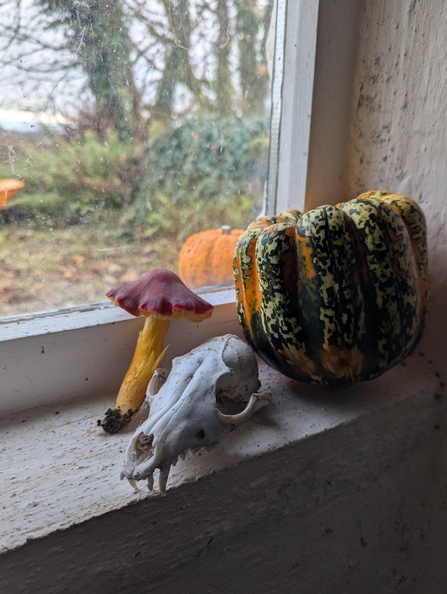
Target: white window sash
column 317, row 102
column 85, row 351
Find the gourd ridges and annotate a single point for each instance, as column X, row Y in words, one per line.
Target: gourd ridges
column 330, row 300
column 335, row 296
column 414, row 220
column 390, row 290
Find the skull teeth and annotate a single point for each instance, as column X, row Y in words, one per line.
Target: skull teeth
column 181, row 413
column 133, row 484
column 163, row 479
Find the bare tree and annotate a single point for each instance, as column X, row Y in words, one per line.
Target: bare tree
column 127, row 61
column 97, row 33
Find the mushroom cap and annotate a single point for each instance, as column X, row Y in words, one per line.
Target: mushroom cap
column 162, row 294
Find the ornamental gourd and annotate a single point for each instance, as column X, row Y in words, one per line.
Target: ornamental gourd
column 338, row 294
column 205, row 258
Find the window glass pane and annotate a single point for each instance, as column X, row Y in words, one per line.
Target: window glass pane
column 126, row 126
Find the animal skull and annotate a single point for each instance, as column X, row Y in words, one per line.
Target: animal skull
column 195, row 407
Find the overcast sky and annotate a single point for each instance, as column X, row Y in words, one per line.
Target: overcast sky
column 31, row 73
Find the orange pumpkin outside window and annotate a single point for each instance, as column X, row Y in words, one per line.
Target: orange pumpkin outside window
column 8, row 187
column 206, row 258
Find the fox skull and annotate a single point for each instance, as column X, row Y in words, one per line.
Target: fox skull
column 208, row 392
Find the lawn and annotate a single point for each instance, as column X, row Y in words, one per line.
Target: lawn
column 50, row 269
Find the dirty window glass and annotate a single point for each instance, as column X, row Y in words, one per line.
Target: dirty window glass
column 126, row 126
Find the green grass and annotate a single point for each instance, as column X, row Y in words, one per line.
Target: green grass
column 45, row 269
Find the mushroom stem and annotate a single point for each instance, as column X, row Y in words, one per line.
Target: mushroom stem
column 146, row 359
column 160, row 296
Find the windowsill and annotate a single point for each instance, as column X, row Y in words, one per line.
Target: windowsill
column 65, row 471
column 87, row 316
column 84, row 352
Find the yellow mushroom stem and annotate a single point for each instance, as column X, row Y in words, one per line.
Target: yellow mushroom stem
column 147, row 357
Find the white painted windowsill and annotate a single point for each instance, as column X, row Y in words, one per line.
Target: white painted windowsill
column 59, row 470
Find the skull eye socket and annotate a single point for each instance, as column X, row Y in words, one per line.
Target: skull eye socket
column 201, row 435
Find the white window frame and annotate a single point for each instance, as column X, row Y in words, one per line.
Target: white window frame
column 85, row 351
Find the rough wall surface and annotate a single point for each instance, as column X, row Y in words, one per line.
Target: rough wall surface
column 399, row 132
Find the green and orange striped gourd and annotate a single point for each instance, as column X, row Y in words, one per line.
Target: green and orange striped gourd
column 338, row 294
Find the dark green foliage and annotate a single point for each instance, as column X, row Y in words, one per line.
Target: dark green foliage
column 70, row 181
column 202, row 173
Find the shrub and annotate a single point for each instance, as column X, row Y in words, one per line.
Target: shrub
column 70, row 180
column 203, row 172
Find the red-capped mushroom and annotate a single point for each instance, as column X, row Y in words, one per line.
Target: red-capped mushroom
column 160, row 296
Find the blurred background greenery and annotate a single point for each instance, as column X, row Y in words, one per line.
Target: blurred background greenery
column 146, row 121
column 199, row 173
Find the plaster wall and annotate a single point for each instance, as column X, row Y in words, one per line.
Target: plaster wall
column 399, row 125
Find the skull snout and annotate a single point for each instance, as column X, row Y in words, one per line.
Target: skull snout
column 208, row 392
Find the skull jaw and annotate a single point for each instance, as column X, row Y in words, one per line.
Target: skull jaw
column 185, row 416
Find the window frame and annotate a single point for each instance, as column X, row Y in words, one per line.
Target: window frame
column 84, row 351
